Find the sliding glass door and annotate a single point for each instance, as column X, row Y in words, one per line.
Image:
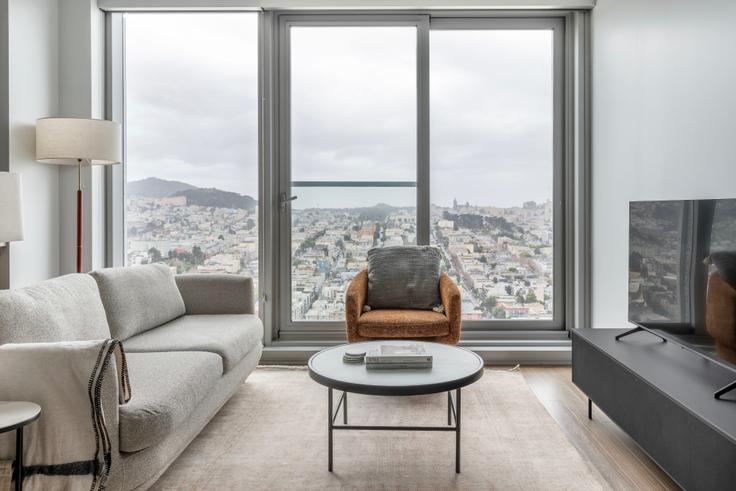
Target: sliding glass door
column 397, row 130
column 351, row 137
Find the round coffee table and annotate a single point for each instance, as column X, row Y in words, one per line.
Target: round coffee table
column 452, row 369
column 14, row 416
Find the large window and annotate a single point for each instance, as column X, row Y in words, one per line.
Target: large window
column 191, row 126
column 492, row 168
column 285, row 144
column 353, row 156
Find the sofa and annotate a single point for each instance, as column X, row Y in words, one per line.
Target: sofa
column 189, row 340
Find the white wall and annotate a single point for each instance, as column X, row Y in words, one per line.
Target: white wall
column 33, row 93
column 81, row 82
column 664, row 121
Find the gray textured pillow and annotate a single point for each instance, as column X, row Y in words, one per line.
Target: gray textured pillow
column 403, row 277
column 138, row 298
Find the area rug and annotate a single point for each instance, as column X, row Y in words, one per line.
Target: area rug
column 272, row 435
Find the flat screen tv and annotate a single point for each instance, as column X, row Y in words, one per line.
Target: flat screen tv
column 682, row 275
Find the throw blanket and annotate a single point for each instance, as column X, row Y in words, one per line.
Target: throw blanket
column 68, row 447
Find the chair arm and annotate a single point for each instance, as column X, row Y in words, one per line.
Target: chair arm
column 205, row 293
column 450, row 296
column 354, row 302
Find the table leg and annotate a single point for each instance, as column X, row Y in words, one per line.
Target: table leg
column 19, row 459
column 449, row 408
column 458, row 411
column 329, row 429
column 345, row 408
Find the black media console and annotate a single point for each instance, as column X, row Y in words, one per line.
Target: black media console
column 662, row 396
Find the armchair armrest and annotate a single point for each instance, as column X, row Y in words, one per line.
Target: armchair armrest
column 450, row 296
column 354, row 302
column 216, row 293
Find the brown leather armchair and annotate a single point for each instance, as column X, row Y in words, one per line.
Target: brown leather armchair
column 424, row 325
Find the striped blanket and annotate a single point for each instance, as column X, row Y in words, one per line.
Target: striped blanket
column 68, row 447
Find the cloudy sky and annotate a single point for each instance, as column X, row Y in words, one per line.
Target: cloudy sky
column 192, row 109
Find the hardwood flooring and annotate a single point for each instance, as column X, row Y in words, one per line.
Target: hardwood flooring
column 606, row 447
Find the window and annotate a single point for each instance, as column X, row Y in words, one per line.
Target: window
column 284, row 145
column 492, row 168
column 353, row 156
column 191, row 128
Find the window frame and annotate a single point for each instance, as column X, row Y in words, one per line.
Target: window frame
column 289, row 329
column 572, row 121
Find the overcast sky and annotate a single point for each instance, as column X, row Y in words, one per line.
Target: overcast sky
column 192, row 109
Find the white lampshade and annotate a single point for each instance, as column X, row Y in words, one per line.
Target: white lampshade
column 64, row 141
column 11, row 218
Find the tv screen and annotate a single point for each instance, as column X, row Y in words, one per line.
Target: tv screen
column 682, row 273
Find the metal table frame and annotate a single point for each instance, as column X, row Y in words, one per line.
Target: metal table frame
column 454, row 410
column 18, row 463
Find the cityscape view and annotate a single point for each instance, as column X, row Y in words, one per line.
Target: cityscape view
column 501, row 257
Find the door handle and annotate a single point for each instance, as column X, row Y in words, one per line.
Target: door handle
column 284, row 199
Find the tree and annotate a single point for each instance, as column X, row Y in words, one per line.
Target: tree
column 220, row 237
column 531, row 297
column 197, row 255
column 509, row 290
column 489, row 303
column 498, row 313
column 250, row 224
column 520, row 297
column 513, row 270
column 154, row 255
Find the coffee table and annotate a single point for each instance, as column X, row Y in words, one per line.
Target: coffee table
column 453, row 368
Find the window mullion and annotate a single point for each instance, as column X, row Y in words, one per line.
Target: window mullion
column 423, row 198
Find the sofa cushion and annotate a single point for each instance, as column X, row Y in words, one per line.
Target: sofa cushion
column 232, row 336
column 67, row 308
column 167, row 387
column 138, row 298
column 400, row 323
column 403, row 277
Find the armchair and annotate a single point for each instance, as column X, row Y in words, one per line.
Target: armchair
column 426, row 325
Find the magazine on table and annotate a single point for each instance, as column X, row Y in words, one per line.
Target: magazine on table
column 407, row 354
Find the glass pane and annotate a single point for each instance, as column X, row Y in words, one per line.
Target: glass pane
column 353, row 103
column 331, row 232
column 492, row 168
column 191, row 89
column 353, row 119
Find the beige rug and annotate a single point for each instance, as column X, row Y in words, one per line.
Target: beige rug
column 272, row 435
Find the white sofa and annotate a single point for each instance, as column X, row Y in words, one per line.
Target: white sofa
column 190, row 341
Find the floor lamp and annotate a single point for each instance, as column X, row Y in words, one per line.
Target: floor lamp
column 80, row 142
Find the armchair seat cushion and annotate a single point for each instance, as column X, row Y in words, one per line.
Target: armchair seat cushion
column 403, row 323
column 166, row 388
column 231, row 336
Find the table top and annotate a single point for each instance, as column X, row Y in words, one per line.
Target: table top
column 452, row 368
column 14, row 414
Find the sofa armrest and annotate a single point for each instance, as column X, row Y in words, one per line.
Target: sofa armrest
column 450, row 296
column 354, row 302
column 216, row 293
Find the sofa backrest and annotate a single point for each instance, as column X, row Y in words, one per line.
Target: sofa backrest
column 138, row 298
column 67, row 308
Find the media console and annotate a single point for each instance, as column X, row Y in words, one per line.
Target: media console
column 662, row 396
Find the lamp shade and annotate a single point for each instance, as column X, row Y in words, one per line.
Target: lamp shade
column 65, row 141
column 11, row 217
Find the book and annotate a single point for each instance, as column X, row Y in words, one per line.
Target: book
column 389, row 354
column 398, row 366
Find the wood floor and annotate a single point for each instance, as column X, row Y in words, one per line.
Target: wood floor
column 613, row 453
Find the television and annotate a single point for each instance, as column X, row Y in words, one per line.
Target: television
column 682, row 275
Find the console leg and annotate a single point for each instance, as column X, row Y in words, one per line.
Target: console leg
column 590, row 409
column 728, row 388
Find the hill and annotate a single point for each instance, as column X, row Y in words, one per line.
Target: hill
column 152, row 187
column 217, row 199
